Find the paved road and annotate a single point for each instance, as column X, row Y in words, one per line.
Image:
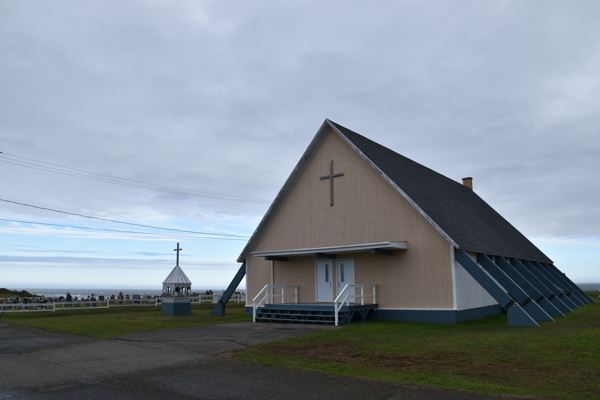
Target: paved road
column 188, row 363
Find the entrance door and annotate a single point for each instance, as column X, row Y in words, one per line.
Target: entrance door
column 324, row 289
column 345, row 276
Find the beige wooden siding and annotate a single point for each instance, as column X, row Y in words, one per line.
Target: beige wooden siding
column 299, row 271
column 258, row 275
column 367, row 209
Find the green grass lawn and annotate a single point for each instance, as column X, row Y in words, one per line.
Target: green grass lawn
column 558, row 360
column 117, row 321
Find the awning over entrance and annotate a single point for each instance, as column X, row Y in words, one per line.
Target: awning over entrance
column 384, row 248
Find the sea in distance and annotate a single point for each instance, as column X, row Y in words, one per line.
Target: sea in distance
column 589, row 287
column 107, row 292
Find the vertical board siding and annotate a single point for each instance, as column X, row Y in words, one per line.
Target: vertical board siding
column 298, row 271
column 259, row 275
column 367, row 209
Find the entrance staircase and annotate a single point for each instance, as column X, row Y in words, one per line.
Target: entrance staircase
column 314, row 314
column 347, row 307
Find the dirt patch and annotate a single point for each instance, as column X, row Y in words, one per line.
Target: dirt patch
column 347, row 354
column 341, row 352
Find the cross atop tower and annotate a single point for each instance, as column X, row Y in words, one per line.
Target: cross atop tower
column 177, row 250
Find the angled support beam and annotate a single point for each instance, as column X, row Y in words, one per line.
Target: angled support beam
column 563, row 291
column 576, row 288
column 383, row 252
column 363, row 314
column 275, row 258
column 575, row 294
column 560, row 285
column 528, row 288
column 556, row 291
column 514, row 290
column 539, row 285
column 516, row 315
column 219, row 308
column 324, row 255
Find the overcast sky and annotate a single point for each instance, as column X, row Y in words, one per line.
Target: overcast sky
column 225, row 96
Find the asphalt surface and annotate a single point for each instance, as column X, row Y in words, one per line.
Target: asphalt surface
column 188, row 363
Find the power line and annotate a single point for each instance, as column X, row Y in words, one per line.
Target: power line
column 68, row 171
column 115, row 182
column 116, row 230
column 130, row 180
column 122, row 222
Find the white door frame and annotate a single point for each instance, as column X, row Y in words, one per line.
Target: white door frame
column 330, row 262
column 338, row 275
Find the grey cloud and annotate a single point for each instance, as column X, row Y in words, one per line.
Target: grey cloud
column 225, row 98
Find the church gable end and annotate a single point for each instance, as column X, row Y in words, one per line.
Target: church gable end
column 340, row 200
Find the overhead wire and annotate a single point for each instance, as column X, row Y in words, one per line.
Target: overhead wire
column 123, row 222
column 64, row 170
column 120, row 231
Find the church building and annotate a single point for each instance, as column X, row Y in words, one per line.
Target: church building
column 359, row 231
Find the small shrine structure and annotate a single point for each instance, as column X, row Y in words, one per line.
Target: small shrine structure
column 177, row 289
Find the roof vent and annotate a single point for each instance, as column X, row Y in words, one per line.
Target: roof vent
column 468, row 182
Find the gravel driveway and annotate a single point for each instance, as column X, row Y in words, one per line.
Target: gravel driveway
column 187, row 363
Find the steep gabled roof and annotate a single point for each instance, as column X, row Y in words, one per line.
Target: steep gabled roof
column 458, row 213
column 177, row 276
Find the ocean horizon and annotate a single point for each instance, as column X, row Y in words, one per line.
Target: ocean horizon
column 589, row 286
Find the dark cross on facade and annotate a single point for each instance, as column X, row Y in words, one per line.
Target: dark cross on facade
column 330, row 177
column 177, row 250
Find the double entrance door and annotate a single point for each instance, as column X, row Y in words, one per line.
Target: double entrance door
column 326, row 287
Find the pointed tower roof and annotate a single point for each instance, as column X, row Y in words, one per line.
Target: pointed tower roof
column 177, row 276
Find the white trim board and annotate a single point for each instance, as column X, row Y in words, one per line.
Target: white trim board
column 335, row 249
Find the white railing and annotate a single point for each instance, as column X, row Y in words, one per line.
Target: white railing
column 26, row 307
column 105, row 303
column 53, row 306
column 211, row 298
column 132, row 302
column 82, row 304
column 346, row 297
column 266, row 295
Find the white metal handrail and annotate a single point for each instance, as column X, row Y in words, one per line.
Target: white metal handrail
column 345, row 294
column 267, row 295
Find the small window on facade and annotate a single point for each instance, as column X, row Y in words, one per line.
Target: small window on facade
column 326, row 272
column 342, row 273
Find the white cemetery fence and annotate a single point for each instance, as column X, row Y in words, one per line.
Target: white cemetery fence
column 38, row 304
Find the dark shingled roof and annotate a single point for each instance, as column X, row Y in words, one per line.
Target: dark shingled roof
column 456, row 209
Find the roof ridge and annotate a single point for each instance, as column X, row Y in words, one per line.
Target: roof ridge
column 395, row 152
column 459, row 211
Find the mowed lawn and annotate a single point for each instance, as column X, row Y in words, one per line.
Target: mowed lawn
column 117, row 321
column 558, row 360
